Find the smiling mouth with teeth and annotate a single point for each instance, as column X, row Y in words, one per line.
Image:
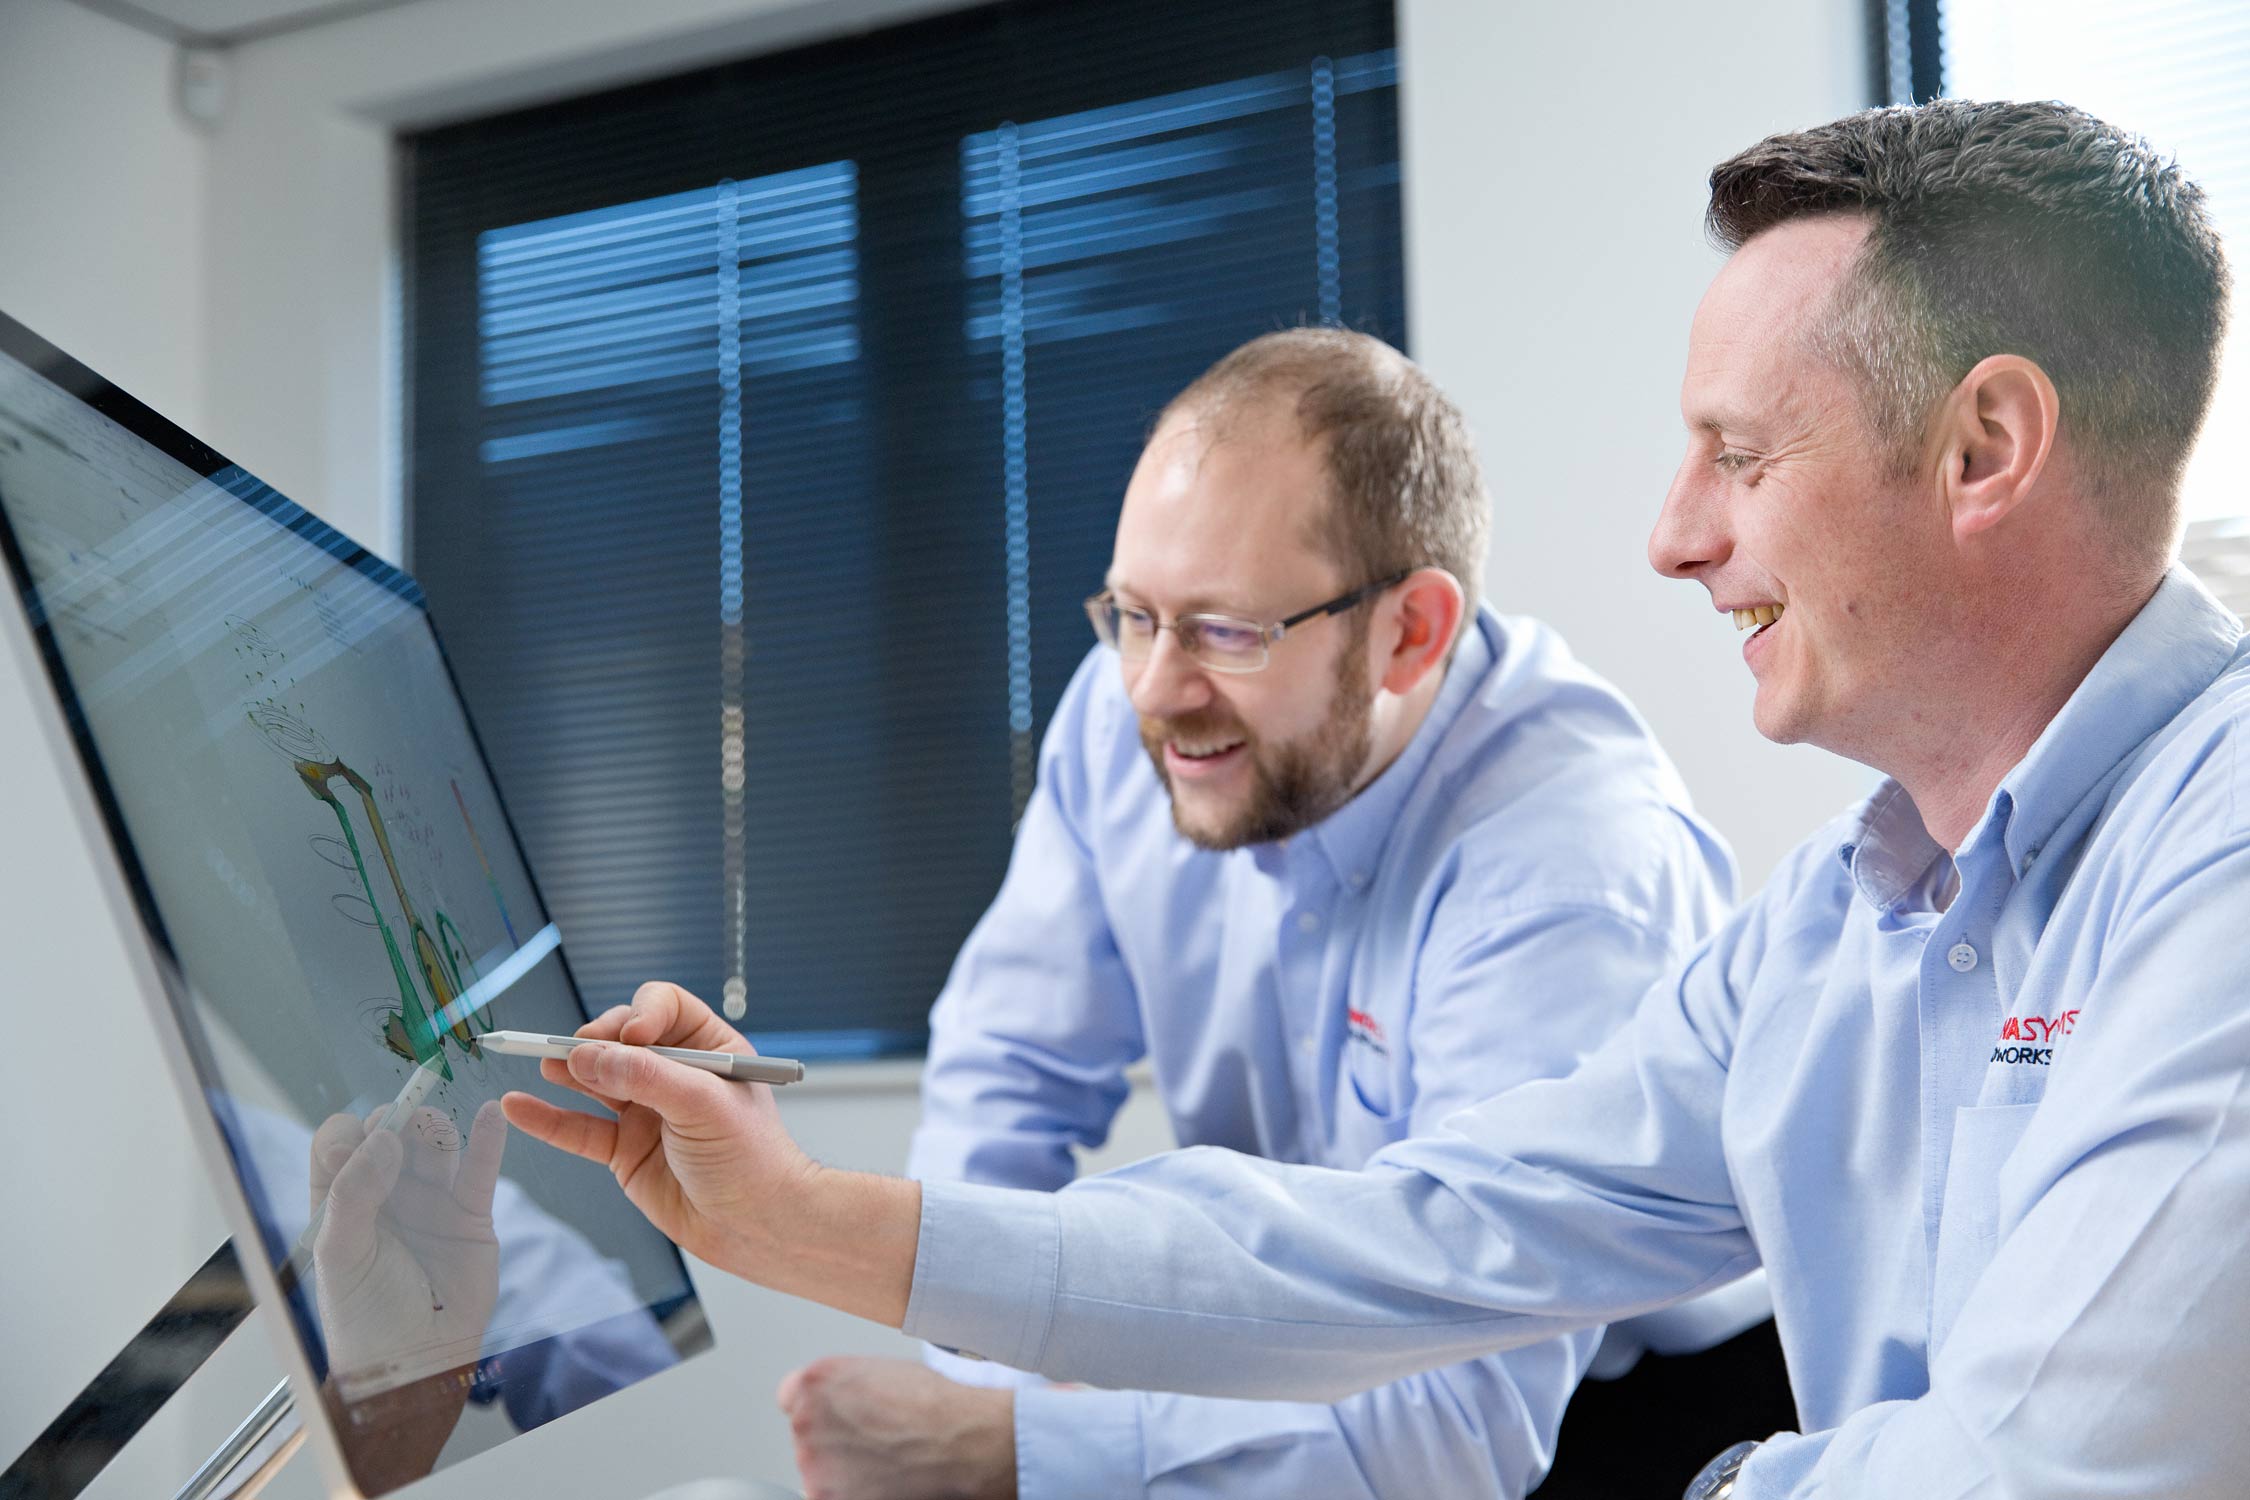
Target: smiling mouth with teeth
column 1763, row 615
column 1202, row 752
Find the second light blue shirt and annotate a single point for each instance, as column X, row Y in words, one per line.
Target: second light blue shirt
column 1485, row 912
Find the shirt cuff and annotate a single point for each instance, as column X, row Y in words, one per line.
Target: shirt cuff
column 1073, row 1442
column 984, row 1272
column 982, row 1373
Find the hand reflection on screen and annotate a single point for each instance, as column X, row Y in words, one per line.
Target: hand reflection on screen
column 576, row 1327
column 406, row 1263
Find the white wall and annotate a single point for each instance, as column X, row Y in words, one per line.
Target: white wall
column 103, row 198
column 243, row 281
column 103, row 1210
column 1555, row 165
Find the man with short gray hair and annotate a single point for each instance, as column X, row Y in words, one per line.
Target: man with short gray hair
column 1970, row 1077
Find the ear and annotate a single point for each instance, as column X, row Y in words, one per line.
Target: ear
column 1995, row 434
column 1425, row 613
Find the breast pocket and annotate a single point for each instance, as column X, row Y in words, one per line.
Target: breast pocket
column 1969, row 1226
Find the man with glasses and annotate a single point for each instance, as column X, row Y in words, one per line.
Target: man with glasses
column 1339, row 855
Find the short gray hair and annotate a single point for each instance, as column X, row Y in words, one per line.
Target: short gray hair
column 1997, row 228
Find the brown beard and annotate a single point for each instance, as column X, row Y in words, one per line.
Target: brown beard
column 1293, row 786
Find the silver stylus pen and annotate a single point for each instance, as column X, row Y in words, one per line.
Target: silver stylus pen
column 726, row 1064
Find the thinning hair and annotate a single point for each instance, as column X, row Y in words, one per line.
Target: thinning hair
column 2031, row 229
column 1404, row 487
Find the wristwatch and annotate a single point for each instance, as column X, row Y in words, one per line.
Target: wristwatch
column 1716, row 1482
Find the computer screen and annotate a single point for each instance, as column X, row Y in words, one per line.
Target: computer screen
column 338, row 908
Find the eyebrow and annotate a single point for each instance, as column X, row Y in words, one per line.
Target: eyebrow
column 1726, row 424
column 1725, row 419
column 1195, row 604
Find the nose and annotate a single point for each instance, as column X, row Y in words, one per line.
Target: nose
column 1690, row 536
column 1167, row 682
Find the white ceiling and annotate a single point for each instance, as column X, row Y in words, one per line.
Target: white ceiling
column 218, row 22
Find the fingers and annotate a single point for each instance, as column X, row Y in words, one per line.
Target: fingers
column 804, row 1390
column 790, row 1394
column 361, row 1187
column 479, row 1172
column 332, row 1146
column 664, row 1015
column 691, row 1101
column 569, row 1130
column 608, row 1024
column 554, row 1072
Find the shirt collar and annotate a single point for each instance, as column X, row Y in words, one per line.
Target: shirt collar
column 1888, row 850
column 1352, row 837
column 2169, row 653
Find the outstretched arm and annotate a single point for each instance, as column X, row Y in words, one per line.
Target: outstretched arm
column 1556, row 1206
column 1205, row 1271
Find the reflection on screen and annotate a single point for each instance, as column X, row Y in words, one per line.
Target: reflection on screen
column 322, row 856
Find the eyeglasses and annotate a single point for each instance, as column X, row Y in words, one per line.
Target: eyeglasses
column 1220, row 642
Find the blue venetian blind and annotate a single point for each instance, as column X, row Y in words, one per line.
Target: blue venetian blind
column 771, row 422
column 1108, row 252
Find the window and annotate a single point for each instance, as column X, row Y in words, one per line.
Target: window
column 769, row 423
column 2177, row 72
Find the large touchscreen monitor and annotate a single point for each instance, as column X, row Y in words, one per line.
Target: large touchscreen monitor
column 335, row 909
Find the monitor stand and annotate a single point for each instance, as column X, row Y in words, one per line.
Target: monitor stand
column 117, row 1403
column 270, row 1436
column 252, row 1454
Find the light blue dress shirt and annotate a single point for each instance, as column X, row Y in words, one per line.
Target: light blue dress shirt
column 1487, row 911
column 1994, row 1151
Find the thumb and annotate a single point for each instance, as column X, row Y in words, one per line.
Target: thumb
column 355, row 1198
column 803, row 1389
column 692, row 1102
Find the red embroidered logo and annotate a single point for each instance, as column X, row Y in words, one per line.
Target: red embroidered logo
column 2030, row 1039
column 1365, row 1028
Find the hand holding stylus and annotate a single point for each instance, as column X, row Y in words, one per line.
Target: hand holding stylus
column 711, row 1164
column 699, row 1155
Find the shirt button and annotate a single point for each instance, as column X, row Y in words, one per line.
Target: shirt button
column 1308, row 921
column 1962, row 957
column 1305, row 1045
